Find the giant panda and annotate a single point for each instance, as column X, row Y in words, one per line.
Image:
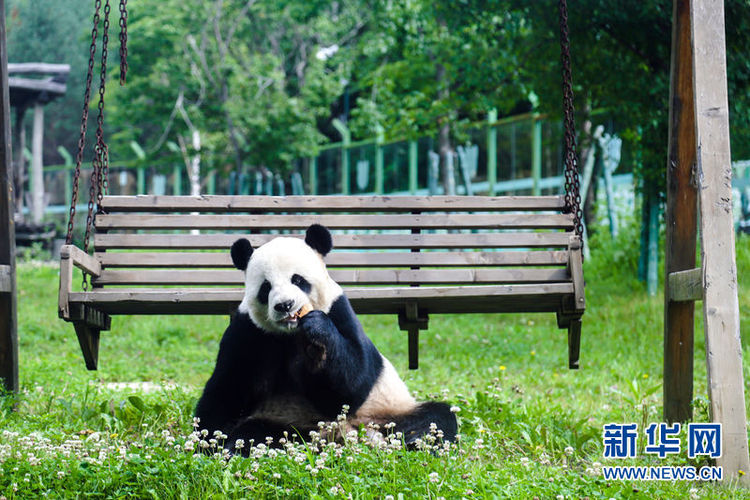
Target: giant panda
column 277, row 372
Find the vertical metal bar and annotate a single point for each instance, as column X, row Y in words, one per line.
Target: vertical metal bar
column 379, row 164
column 652, row 275
column 211, row 187
column 412, row 167
column 313, row 175
column 536, row 154
column 177, row 180
column 491, row 151
column 141, row 180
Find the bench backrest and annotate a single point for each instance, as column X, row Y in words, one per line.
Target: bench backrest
column 405, row 241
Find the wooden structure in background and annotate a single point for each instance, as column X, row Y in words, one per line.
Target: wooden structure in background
column 699, row 175
column 8, row 318
column 33, row 93
column 433, row 255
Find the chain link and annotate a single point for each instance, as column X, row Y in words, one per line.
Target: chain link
column 572, row 183
column 123, row 40
column 84, row 123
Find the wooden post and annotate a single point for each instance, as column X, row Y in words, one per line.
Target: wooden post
column 714, row 171
column 8, row 318
column 37, row 174
column 20, row 173
column 681, row 221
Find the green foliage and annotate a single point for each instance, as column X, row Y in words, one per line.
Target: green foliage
column 424, row 63
column 621, row 62
column 246, row 75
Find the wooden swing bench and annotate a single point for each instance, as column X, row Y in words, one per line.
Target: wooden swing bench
column 430, row 255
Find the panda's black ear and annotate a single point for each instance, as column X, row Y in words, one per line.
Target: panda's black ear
column 241, row 252
column 319, row 238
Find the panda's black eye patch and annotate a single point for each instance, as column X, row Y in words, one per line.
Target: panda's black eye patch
column 301, row 283
column 263, row 292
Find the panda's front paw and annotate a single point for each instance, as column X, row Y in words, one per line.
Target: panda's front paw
column 315, row 324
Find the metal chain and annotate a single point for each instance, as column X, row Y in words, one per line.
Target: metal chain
column 98, row 184
column 123, row 40
column 84, row 124
column 572, row 183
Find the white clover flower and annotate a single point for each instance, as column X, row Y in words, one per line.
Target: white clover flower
column 569, row 450
column 276, row 475
column 239, row 444
column 434, row 477
column 389, row 497
column 694, row 494
column 560, row 497
column 189, row 446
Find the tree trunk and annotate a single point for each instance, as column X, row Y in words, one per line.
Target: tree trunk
column 444, row 138
column 195, row 166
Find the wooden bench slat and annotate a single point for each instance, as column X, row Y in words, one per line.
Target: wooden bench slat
column 221, row 203
column 465, row 299
column 333, row 221
column 344, row 259
column 342, row 276
column 395, row 241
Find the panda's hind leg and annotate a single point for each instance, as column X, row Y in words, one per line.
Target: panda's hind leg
column 416, row 424
column 254, row 431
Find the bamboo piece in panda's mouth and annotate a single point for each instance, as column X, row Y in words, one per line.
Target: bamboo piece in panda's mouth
column 303, row 310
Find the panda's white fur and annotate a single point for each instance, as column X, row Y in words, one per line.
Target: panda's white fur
column 276, row 262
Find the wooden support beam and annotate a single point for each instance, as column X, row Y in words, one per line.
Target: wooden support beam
column 5, row 279
column 410, row 321
column 685, row 286
column 681, row 221
column 8, row 318
column 720, row 302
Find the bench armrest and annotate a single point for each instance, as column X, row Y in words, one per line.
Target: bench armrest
column 575, row 266
column 81, row 259
column 70, row 256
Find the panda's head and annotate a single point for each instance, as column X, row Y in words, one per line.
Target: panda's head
column 283, row 275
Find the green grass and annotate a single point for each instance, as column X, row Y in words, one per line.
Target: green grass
column 73, row 435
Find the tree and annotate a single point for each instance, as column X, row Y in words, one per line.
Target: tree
column 244, row 72
column 423, row 67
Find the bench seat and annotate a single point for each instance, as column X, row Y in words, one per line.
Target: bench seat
column 410, row 256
